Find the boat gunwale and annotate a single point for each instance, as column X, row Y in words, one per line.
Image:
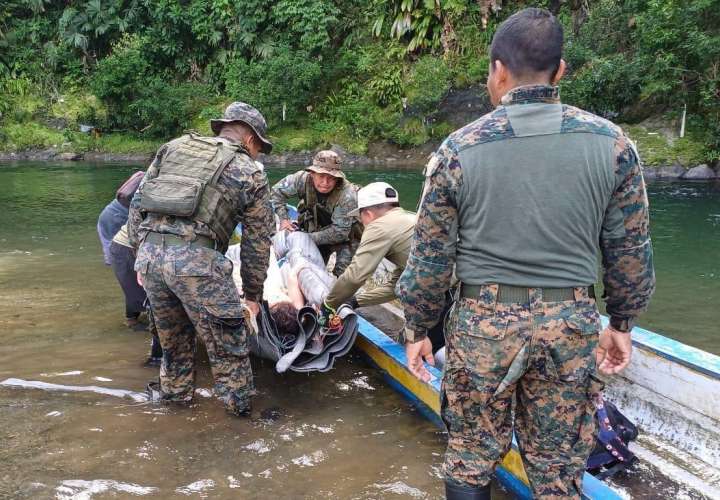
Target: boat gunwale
column 691, row 357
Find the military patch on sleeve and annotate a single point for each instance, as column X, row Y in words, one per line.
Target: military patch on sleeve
column 428, row 172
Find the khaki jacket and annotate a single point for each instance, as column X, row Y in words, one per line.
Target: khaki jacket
column 388, row 237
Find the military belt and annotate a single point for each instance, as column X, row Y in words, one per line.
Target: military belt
column 509, row 294
column 172, row 240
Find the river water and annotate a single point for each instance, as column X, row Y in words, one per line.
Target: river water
column 342, row 434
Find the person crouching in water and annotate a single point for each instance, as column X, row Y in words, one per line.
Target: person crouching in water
column 326, row 198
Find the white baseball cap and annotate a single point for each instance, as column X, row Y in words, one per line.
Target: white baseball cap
column 375, row 193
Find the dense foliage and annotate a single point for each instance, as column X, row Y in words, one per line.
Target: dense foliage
column 335, row 70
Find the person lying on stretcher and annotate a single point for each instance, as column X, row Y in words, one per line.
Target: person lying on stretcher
column 296, row 277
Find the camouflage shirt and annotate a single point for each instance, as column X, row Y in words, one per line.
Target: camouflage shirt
column 295, row 185
column 249, row 187
column 504, row 204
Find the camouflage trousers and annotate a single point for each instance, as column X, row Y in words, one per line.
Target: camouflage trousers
column 344, row 252
column 529, row 361
column 191, row 291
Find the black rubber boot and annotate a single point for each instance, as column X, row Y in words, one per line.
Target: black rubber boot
column 454, row 491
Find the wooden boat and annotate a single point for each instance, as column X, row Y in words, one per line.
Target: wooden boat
column 672, row 391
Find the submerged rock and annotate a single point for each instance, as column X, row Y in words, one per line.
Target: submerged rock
column 69, row 156
column 701, row 172
column 671, row 172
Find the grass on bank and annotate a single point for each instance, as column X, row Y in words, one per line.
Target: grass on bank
column 655, row 142
column 658, row 148
column 16, row 137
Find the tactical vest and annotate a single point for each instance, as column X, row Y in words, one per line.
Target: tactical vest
column 187, row 185
column 314, row 216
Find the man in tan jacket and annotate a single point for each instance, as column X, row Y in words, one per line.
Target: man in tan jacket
column 388, row 234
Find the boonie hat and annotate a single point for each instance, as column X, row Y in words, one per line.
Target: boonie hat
column 327, row 162
column 375, row 193
column 242, row 112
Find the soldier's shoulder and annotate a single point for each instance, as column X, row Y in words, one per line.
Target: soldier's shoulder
column 350, row 190
column 294, row 177
column 576, row 120
column 173, row 144
column 493, row 126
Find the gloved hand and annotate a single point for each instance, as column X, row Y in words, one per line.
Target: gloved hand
column 328, row 317
column 326, row 313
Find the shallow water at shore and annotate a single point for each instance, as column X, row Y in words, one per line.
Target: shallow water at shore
column 342, row 434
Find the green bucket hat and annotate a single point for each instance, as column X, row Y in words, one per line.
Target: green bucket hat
column 242, row 112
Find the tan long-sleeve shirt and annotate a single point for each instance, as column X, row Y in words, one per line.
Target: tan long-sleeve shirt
column 388, row 236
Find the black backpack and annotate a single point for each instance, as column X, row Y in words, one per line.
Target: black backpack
column 615, row 431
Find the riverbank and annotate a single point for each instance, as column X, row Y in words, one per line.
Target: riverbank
column 379, row 155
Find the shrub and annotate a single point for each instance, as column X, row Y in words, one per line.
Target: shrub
column 19, row 137
column 76, row 107
column 606, row 86
column 412, row 132
column 140, row 99
column 289, row 77
column 166, row 109
column 429, row 81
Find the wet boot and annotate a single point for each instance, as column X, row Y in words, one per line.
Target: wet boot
column 237, row 406
column 454, row 491
column 153, row 391
column 156, row 395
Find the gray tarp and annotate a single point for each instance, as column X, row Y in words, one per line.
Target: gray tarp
column 313, row 348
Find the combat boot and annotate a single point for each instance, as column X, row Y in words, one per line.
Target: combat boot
column 153, row 391
column 454, row 491
column 238, row 406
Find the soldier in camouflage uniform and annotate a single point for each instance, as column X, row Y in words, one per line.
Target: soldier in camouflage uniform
column 195, row 192
column 326, row 198
column 517, row 202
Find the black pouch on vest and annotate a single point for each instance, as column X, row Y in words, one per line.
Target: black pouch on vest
column 171, row 195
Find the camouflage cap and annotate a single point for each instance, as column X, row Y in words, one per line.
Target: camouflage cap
column 242, row 112
column 327, row 162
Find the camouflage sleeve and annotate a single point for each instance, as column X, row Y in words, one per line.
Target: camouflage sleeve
column 135, row 217
column 339, row 230
column 428, row 274
column 286, row 188
column 258, row 228
column 629, row 276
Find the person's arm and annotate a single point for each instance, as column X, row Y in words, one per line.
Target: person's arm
column 627, row 256
column 135, row 217
column 288, row 187
column 374, row 245
column 428, row 273
column 384, row 292
column 258, row 228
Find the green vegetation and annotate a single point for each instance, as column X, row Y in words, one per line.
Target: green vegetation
column 338, row 71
